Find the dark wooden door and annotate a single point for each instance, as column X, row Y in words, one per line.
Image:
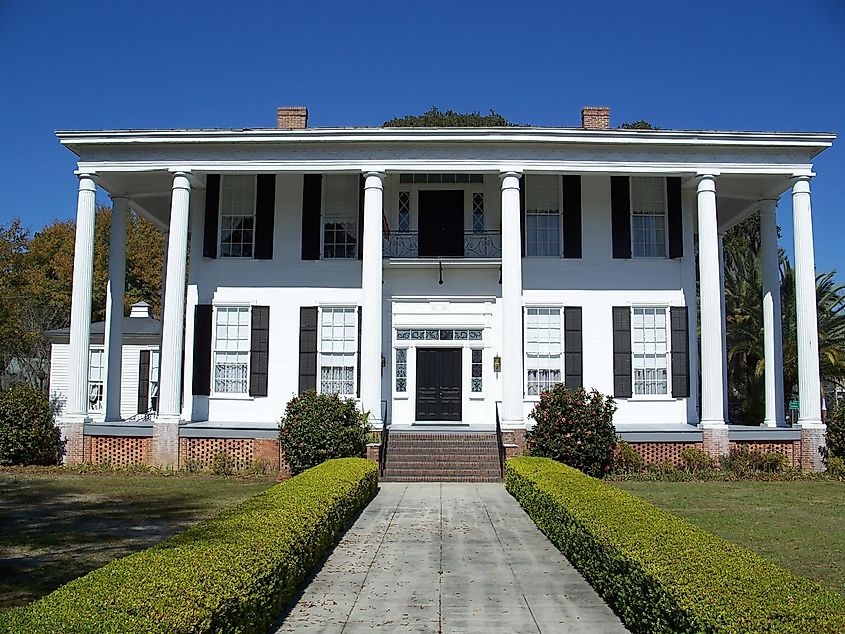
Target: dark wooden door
column 438, row 384
column 441, row 223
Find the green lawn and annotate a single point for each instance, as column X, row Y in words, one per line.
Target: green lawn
column 58, row 526
column 798, row 525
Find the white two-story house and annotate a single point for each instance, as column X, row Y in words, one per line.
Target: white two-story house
column 442, row 277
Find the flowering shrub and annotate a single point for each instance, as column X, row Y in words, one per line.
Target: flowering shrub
column 319, row 427
column 574, row 427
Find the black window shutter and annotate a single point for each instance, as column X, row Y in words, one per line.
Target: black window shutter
column 312, row 202
column 307, row 348
column 620, row 211
column 360, row 323
column 259, row 350
column 679, row 317
column 361, row 218
column 212, row 211
column 622, row 375
column 144, row 382
column 265, row 212
column 571, row 216
column 675, row 217
column 573, row 348
column 522, row 212
column 202, row 350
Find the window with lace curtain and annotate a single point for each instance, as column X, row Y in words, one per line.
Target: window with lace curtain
column 338, row 350
column 231, row 350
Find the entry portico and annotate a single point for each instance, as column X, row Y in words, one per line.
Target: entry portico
column 546, row 266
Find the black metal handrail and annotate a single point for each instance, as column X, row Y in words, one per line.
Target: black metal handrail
column 477, row 244
column 500, row 442
column 382, row 450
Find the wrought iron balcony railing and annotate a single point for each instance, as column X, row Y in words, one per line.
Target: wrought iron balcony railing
column 477, row 244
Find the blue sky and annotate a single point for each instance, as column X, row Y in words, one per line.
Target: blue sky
column 756, row 65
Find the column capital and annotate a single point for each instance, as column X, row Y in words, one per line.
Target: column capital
column 181, row 180
column 121, row 199
column 503, row 174
column 768, row 205
column 87, row 181
column 801, row 184
column 705, row 182
column 373, row 179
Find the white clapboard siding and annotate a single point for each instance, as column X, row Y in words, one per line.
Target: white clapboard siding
column 59, row 364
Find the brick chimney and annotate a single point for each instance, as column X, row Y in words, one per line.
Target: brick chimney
column 292, row 117
column 595, row 118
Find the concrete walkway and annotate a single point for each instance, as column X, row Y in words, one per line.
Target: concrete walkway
column 447, row 557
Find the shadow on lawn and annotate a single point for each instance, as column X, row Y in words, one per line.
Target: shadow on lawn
column 55, row 530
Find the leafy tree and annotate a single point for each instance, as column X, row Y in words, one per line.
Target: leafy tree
column 642, row 124
column 436, row 118
column 37, row 286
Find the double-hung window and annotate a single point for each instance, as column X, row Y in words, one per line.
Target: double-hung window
column 543, row 350
column 340, row 215
column 96, row 374
column 542, row 215
column 155, row 361
column 650, row 351
column 231, row 350
column 237, row 216
column 338, row 350
column 648, row 217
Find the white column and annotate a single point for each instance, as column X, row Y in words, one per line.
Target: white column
column 169, row 403
column 690, row 287
column 772, row 339
column 512, row 393
column 114, row 306
column 712, row 328
column 80, row 310
column 809, row 384
column 723, row 338
column 371, row 302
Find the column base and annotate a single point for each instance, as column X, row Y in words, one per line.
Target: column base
column 72, row 427
column 166, row 442
column 770, row 424
column 812, row 444
column 716, row 440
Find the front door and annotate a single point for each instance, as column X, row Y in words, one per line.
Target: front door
column 441, row 223
column 438, row 384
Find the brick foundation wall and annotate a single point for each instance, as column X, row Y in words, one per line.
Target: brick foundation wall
column 812, row 441
column 514, row 437
column 245, row 451
column 73, row 442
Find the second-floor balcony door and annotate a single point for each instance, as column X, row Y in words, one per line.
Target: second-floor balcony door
column 441, row 223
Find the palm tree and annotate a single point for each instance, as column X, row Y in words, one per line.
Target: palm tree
column 744, row 317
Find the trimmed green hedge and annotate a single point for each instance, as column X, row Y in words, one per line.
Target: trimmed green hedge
column 232, row 573
column 659, row 572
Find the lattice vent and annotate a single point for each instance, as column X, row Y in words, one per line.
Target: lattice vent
column 660, row 451
column 203, row 450
column 120, row 451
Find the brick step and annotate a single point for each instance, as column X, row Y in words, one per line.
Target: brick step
column 445, row 445
column 394, row 451
column 399, row 440
column 441, row 465
column 440, row 479
column 442, row 472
